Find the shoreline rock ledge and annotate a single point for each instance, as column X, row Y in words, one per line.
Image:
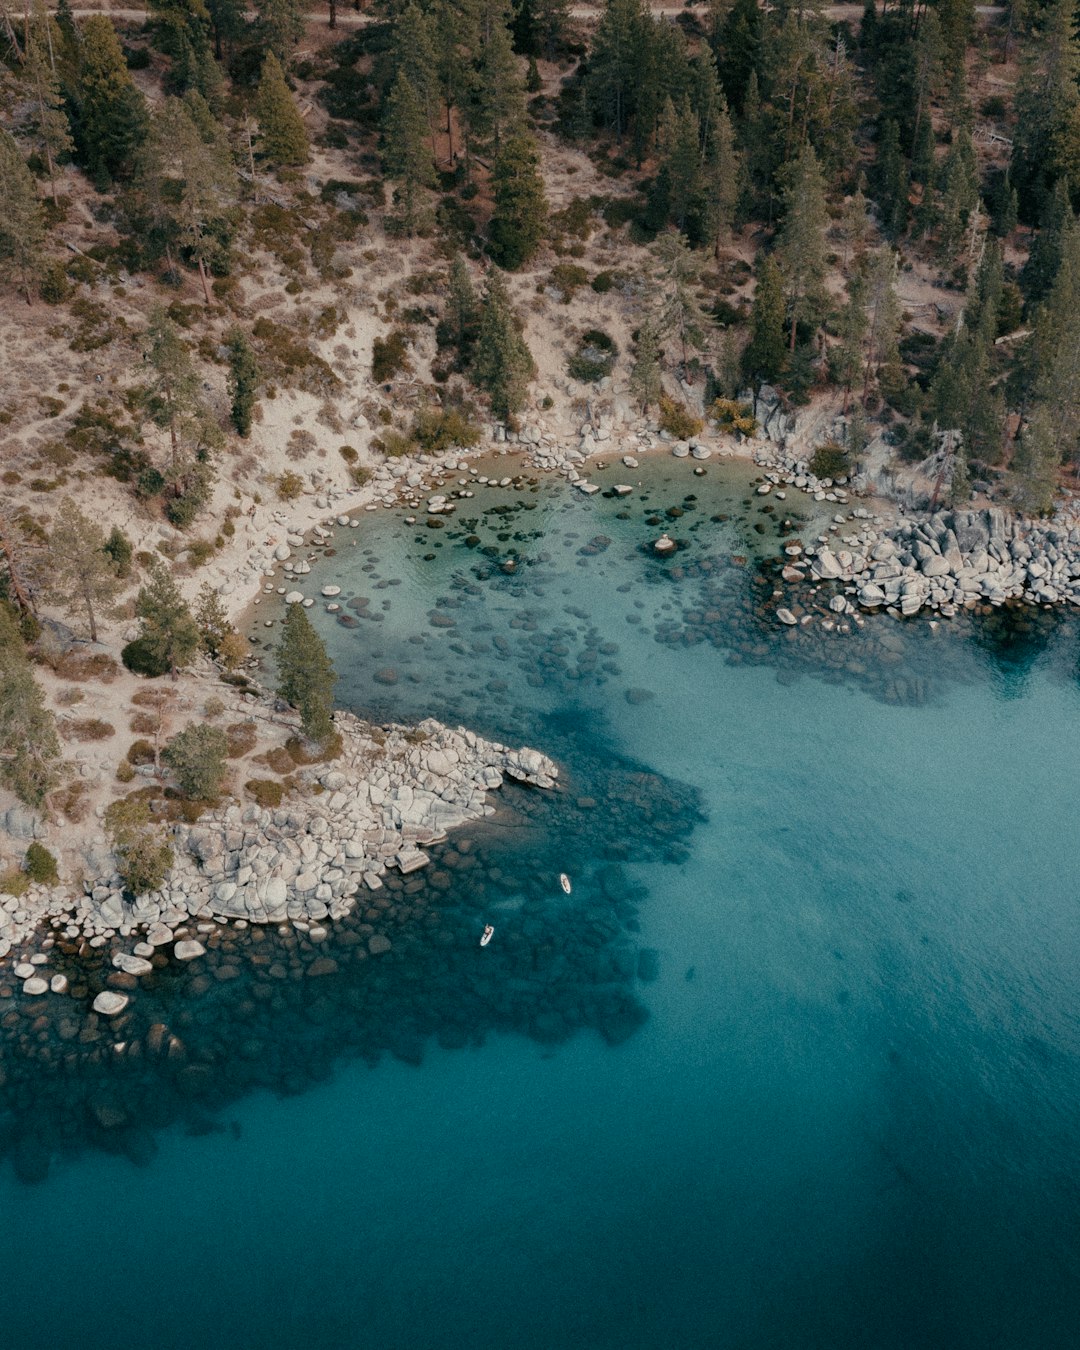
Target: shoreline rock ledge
column 392, row 791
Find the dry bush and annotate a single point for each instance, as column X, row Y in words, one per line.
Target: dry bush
column 304, row 752
column 140, row 752
column 71, row 802
column 278, row 760
column 242, row 738
column 152, row 698
column 301, row 444
column 87, row 729
column 14, row 882
column 82, row 666
column 145, row 724
column 68, row 697
column 267, row 792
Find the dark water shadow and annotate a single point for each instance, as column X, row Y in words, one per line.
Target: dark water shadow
column 270, row 1008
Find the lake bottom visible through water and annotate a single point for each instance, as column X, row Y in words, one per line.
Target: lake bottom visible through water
column 796, row 1064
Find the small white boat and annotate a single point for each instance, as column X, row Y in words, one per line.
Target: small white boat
column 489, row 933
column 564, row 882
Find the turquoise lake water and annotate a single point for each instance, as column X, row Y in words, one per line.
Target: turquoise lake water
column 850, row 1115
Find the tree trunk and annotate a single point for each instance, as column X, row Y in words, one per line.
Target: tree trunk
column 205, row 283
column 333, row 13
column 7, row 548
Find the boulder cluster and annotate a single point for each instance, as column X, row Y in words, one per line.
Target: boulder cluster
column 391, row 791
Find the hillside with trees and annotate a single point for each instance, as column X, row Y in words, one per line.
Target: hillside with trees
column 250, row 255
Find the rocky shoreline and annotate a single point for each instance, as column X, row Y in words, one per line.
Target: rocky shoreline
column 944, row 560
column 391, row 792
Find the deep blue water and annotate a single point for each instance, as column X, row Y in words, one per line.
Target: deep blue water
column 852, row 1116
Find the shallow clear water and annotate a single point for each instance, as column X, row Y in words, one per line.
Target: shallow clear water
column 852, row 1116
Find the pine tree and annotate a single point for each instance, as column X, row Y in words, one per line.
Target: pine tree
column 211, row 618
column 496, row 104
column 461, row 317
column 243, row 379
column 721, row 180
column 1046, row 142
column 453, row 35
column 677, row 275
column 227, row 23
column 755, row 135
column 764, row 356
column 284, row 139
column 170, row 635
column 1055, row 353
column 923, row 156
column 517, row 224
column 1035, row 465
column 413, row 57
column 846, row 358
column 306, row 675
column 280, row 26
column 854, row 226
column 551, row 19
column 800, row 246
column 959, row 191
column 646, row 375
column 929, row 67
column 51, row 127
column 892, row 182
column 22, row 222
column 738, row 42
column 1044, row 257
column 190, row 150
column 502, row 364
column 678, row 144
column 406, row 152
column 960, row 478
column 615, row 62
column 113, row 121
column 173, row 396
column 29, row 748
column 79, row 575
column 883, row 332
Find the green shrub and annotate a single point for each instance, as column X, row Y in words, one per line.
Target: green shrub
column 734, row 418
column 141, row 657
column 567, row 278
column 54, row 286
column 829, row 461
column 395, row 443
column 289, row 486
column 594, row 358
column 124, row 772
column 40, row 865
column 140, row 752
column 360, row 474
column 143, row 855
column 678, row 420
column 389, row 357
column 118, row 547
column 603, row 282
column 437, row 429
column 196, row 756
column 348, row 454
column 200, row 551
